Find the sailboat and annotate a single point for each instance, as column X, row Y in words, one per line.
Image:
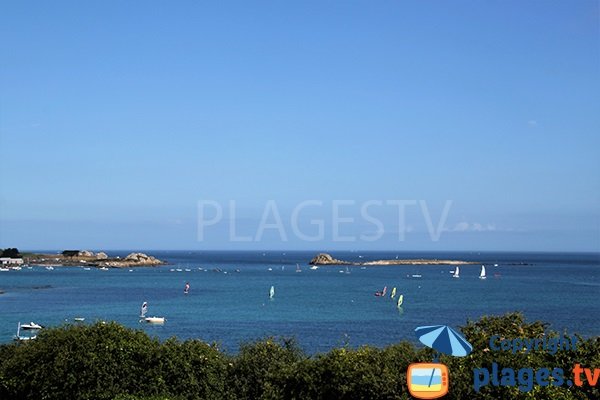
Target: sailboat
column 298, row 268
column 400, row 300
column 456, row 273
column 150, row 320
column 482, row 273
column 393, row 293
column 272, row 292
column 381, row 293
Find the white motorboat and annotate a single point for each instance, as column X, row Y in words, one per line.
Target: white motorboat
column 31, row 327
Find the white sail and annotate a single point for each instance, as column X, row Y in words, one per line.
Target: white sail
column 400, row 300
column 482, row 273
column 272, row 292
column 456, row 273
column 144, row 310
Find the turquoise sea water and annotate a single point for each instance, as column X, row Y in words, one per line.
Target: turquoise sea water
column 321, row 309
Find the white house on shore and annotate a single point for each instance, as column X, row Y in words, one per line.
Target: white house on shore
column 11, row 261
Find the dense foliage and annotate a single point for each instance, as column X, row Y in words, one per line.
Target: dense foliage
column 10, row 253
column 106, row 361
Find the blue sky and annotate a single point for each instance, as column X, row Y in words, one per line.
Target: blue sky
column 117, row 118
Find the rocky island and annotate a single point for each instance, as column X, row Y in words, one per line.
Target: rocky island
column 327, row 259
column 86, row 258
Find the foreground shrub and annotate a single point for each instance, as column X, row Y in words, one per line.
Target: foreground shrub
column 192, row 370
column 262, row 369
column 106, row 361
column 80, row 362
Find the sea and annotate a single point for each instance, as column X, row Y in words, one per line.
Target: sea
column 228, row 302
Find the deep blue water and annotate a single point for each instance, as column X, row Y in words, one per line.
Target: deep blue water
column 321, row 309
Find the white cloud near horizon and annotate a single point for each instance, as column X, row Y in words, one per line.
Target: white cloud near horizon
column 465, row 226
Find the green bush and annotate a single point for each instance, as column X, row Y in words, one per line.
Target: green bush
column 106, row 361
column 192, row 370
column 261, row 369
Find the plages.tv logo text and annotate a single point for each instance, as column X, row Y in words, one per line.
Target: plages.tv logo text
column 526, row 378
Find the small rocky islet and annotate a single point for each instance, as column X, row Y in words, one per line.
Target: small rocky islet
column 327, row 259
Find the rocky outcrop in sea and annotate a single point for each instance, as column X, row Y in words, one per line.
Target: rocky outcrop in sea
column 327, row 259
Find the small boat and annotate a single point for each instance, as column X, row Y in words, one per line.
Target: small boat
column 272, row 292
column 400, row 300
column 4, row 269
column 347, row 270
column 103, row 269
column 456, row 273
column 155, row 320
column 393, row 293
column 417, row 275
column 314, row 268
column 78, row 319
column 186, row 288
column 31, row 327
column 482, row 273
column 495, row 265
column 381, row 293
column 298, row 268
column 269, row 269
column 150, row 320
column 50, row 268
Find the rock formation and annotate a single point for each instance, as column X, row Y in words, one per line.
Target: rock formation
column 326, row 259
column 132, row 260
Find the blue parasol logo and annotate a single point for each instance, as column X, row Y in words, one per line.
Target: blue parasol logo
column 444, row 339
column 431, row 380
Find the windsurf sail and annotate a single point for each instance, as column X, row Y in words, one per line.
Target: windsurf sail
column 144, row 310
column 400, row 300
column 272, row 292
column 456, row 272
column 393, row 293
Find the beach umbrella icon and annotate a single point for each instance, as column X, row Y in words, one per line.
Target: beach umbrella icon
column 444, row 339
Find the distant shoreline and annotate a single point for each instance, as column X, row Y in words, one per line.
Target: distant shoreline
column 86, row 258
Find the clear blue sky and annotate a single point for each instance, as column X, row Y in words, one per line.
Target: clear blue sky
column 116, row 118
